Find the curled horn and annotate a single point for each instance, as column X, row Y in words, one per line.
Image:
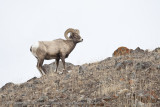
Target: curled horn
column 77, row 31
column 68, row 31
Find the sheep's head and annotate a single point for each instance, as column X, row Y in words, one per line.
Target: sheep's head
column 74, row 35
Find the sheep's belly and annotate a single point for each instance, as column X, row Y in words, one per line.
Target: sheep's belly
column 48, row 57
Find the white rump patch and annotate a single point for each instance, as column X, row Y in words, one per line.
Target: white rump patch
column 34, row 48
column 35, row 45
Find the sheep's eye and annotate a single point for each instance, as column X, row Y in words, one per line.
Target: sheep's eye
column 78, row 37
column 75, row 35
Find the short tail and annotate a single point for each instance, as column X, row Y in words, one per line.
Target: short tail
column 31, row 49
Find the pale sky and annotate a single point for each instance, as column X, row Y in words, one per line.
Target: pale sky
column 104, row 25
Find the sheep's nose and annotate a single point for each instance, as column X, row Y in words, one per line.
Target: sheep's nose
column 82, row 39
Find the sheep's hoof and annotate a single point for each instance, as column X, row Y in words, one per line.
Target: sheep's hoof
column 64, row 71
column 55, row 71
column 60, row 73
column 43, row 73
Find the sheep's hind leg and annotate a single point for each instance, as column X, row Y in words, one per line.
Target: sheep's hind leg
column 63, row 61
column 39, row 66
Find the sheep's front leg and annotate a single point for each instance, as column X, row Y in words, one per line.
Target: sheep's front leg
column 63, row 61
column 57, row 63
column 39, row 66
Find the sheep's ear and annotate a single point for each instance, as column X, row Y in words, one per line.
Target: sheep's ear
column 71, row 35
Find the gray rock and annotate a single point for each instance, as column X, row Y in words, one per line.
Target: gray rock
column 24, row 94
column 109, row 58
column 18, row 105
column 3, row 96
column 157, row 57
column 96, row 100
column 83, row 101
column 109, row 79
column 122, row 65
column 147, row 96
column 131, row 75
column 128, row 95
column 128, row 63
column 49, row 68
column 28, row 85
column 119, row 66
column 67, row 77
column 7, row 86
column 98, row 68
column 107, row 98
column 57, row 81
column 81, row 70
column 157, row 49
column 81, row 97
column 15, row 87
column 89, row 100
column 37, row 81
column 138, row 49
column 82, row 91
column 142, row 65
column 43, row 99
column 64, row 90
column 26, row 104
column 19, row 100
column 10, row 90
column 158, row 67
column 53, row 100
column 32, row 79
column 139, row 104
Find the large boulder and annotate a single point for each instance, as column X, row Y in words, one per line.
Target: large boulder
column 121, row 51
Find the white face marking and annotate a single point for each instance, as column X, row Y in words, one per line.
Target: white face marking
column 81, row 39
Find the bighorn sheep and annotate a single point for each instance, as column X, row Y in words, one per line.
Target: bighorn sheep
column 56, row 49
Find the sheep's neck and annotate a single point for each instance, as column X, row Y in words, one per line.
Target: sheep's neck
column 72, row 45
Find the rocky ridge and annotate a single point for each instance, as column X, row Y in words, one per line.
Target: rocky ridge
column 131, row 80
